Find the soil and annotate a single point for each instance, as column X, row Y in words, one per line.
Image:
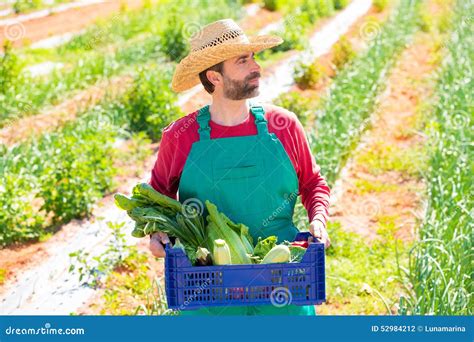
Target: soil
column 71, row 20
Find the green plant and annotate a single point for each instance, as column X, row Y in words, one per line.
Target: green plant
column 293, row 31
column 426, row 22
column 9, row 69
column 363, row 186
column 343, row 52
column 380, row 5
column 271, row 5
column 173, row 41
column 307, row 75
column 302, row 106
column 93, row 270
column 340, row 4
column 363, row 273
column 438, row 279
column 325, row 7
column 3, row 275
column 155, row 301
column 380, row 157
column 21, row 6
column 149, row 104
column 345, row 112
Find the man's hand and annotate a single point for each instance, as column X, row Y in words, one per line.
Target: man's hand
column 318, row 230
column 156, row 244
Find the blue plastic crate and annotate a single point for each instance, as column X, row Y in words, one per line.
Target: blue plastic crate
column 192, row 287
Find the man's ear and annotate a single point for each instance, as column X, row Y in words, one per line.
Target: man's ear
column 214, row 77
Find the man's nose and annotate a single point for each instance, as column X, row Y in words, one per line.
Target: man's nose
column 255, row 66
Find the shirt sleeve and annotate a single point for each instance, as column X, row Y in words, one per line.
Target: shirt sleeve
column 164, row 175
column 314, row 190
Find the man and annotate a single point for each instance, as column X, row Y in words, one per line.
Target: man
column 251, row 161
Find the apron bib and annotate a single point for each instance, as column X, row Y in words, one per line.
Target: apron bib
column 252, row 180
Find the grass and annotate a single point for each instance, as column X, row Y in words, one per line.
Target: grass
column 438, row 278
column 361, row 275
column 363, row 186
column 380, row 157
column 132, row 289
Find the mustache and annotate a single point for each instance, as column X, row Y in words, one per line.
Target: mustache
column 253, row 76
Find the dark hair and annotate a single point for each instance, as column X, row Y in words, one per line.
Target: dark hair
column 205, row 81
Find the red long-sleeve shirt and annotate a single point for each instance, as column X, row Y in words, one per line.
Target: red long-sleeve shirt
column 178, row 137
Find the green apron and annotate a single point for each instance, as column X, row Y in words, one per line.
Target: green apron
column 252, row 180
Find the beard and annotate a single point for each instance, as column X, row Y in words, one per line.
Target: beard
column 240, row 90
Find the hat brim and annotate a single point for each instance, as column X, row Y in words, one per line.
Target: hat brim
column 187, row 71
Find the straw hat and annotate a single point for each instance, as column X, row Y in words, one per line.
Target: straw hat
column 213, row 44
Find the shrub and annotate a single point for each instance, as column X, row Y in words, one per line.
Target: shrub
column 293, row 32
column 325, row 7
column 303, row 107
column 20, row 6
column 173, row 41
column 343, row 52
column 340, row 4
column 271, row 5
column 9, row 68
column 307, row 75
column 380, row 5
column 150, row 103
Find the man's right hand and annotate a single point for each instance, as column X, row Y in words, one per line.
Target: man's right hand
column 157, row 241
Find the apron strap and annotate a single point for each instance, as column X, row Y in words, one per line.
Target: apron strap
column 260, row 120
column 203, row 118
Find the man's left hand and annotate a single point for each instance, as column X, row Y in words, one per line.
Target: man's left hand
column 318, row 230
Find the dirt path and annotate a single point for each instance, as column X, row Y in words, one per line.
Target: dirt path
column 71, row 20
column 380, row 183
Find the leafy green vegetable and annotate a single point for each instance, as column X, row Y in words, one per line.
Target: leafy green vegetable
column 264, row 246
column 296, row 253
column 218, row 228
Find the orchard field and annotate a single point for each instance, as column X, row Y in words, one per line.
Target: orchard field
column 384, row 89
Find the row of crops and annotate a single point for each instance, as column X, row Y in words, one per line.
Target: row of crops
column 25, row 6
column 342, row 115
column 59, row 175
column 439, row 275
column 109, row 48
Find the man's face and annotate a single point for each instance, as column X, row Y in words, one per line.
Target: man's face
column 241, row 77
